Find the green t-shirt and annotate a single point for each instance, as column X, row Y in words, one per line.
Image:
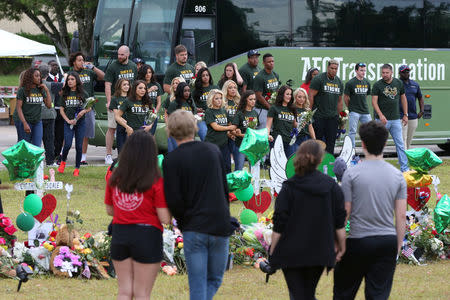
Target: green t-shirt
column 87, row 77
column 231, row 109
column 154, row 94
column 305, row 129
column 134, row 113
column 265, row 83
column 248, row 73
column 117, row 70
column 283, row 122
column 31, row 105
column 176, row 70
column 219, row 116
column 242, row 120
column 184, row 106
column 201, row 96
column 327, row 96
column 358, row 90
column 73, row 104
column 389, row 97
column 166, row 102
column 116, row 102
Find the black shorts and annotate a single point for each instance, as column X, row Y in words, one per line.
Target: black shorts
column 143, row 243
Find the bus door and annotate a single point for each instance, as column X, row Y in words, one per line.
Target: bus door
column 198, row 31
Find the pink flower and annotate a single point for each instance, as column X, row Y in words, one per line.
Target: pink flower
column 1, row 216
column 2, row 241
column 6, row 222
column 10, row 230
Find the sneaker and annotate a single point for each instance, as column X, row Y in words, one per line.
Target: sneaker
column 52, row 165
column 108, row 159
column 84, row 163
column 76, row 172
column 61, row 167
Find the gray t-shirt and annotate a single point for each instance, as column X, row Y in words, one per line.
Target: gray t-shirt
column 372, row 187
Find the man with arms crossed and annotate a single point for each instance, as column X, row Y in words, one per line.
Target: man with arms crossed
column 180, row 68
column 388, row 94
column 249, row 70
column 355, row 94
column 375, row 193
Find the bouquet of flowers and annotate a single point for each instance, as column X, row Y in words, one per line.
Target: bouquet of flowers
column 7, row 230
column 89, row 103
column 67, row 262
column 150, row 117
column 271, row 97
column 305, row 118
column 192, row 82
column 173, row 248
column 343, row 117
column 252, row 122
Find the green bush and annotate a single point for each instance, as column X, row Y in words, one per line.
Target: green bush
column 14, row 65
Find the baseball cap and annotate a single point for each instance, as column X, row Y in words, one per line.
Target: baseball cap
column 138, row 60
column 403, row 68
column 252, row 52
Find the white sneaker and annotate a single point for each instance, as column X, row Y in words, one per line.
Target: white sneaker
column 53, row 165
column 108, row 159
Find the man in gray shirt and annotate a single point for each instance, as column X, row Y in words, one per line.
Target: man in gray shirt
column 375, row 192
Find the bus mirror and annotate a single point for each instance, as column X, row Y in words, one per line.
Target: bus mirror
column 427, row 111
column 188, row 41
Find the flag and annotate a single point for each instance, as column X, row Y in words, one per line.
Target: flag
column 407, row 251
column 86, row 272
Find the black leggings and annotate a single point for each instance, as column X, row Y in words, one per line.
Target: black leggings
column 326, row 130
column 59, row 133
column 302, row 282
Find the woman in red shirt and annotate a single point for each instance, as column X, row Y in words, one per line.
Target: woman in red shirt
column 309, row 76
column 135, row 198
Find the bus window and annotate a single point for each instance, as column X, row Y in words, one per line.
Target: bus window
column 111, row 17
column 152, row 30
column 204, row 35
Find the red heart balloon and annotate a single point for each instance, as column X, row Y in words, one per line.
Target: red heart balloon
column 418, row 197
column 259, row 203
column 48, row 207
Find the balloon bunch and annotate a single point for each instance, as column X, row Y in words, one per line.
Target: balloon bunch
column 240, row 183
column 32, row 206
column 22, row 160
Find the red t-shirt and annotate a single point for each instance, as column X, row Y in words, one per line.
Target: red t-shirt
column 306, row 86
column 137, row 208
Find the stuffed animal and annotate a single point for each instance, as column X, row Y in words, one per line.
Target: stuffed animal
column 66, row 237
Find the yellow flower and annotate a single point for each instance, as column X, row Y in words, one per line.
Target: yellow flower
column 49, row 247
column 180, row 245
column 86, row 251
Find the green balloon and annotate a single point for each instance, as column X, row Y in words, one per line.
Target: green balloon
column 255, row 144
column 32, row 204
column 160, row 160
column 248, row 217
column 422, row 159
column 22, row 160
column 325, row 167
column 238, row 180
column 25, row 221
column 245, row 194
column 442, row 214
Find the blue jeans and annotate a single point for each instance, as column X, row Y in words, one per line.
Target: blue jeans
column 353, row 120
column 238, row 157
column 202, row 129
column 299, row 141
column 153, row 129
column 206, row 260
column 34, row 137
column 121, row 137
column 395, row 129
column 226, row 156
column 171, row 144
column 78, row 130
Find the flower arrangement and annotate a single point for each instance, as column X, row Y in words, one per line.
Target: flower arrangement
column 173, row 248
column 89, row 102
column 252, row 122
column 192, row 82
column 150, row 117
column 271, row 97
column 7, row 230
column 343, row 117
column 66, row 261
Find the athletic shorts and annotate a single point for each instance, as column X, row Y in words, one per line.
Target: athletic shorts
column 111, row 120
column 90, row 124
column 141, row 242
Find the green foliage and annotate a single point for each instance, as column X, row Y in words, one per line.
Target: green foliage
column 13, row 65
column 42, row 38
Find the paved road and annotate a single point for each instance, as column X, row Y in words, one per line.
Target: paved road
column 96, row 155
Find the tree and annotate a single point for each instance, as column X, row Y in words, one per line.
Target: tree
column 52, row 16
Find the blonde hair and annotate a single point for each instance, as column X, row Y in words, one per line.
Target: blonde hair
column 211, row 96
column 236, row 98
column 172, row 92
column 181, row 125
column 306, row 105
column 200, row 64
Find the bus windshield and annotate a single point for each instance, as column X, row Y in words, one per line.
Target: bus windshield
column 152, row 31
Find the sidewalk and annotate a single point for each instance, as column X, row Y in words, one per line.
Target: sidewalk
column 95, row 155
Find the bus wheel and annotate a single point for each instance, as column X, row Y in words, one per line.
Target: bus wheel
column 445, row 147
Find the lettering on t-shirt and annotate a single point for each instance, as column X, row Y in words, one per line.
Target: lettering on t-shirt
column 272, row 84
column 221, row 119
column 187, row 108
column 332, row 88
column 153, row 94
column 127, row 202
column 390, row 92
column 139, row 109
column 361, row 89
column 254, row 74
column 286, row 116
column 85, row 78
column 204, row 96
column 35, row 98
column 72, row 101
column 186, row 74
column 231, row 110
column 127, row 74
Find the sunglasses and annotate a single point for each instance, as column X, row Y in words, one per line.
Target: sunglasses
column 361, row 64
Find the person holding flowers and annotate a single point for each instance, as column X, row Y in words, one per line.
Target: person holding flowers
column 217, row 122
column 134, row 110
column 121, row 92
column 281, row 117
column 232, row 97
column 308, row 224
column 135, row 198
column 72, row 111
column 246, row 117
column 302, row 105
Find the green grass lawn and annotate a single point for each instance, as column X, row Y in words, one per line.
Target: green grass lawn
column 9, row 80
column 410, row 282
